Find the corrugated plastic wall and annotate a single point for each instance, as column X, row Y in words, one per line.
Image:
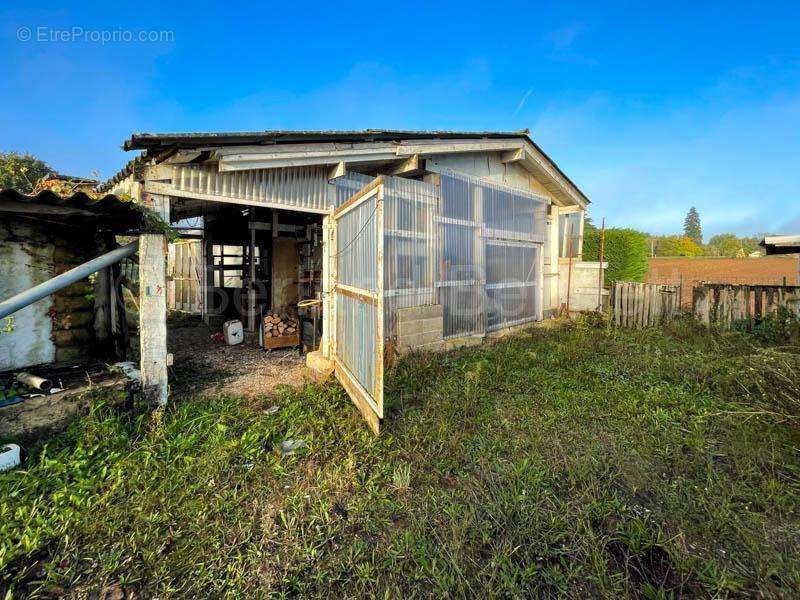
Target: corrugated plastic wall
column 409, row 246
column 511, row 283
column 472, row 246
column 347, row 185
column 357, row 267
column 489, row 239
column 357, row 247
column 356, row 340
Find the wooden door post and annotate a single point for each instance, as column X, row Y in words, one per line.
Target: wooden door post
column 153, row 306
column 153, row 316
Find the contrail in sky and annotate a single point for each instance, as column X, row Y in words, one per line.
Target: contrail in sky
column 522, row 102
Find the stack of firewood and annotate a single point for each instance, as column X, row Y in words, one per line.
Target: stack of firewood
column 276, row 325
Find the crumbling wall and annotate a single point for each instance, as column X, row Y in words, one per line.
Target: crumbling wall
column 60, row 327
column 26, row 259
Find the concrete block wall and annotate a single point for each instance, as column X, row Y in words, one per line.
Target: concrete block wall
column 584, row 284
column 420, row 328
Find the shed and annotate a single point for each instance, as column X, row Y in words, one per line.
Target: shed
column 405, row 239
column 781, row 244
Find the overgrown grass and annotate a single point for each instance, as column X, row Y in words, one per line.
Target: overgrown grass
column 568, row 462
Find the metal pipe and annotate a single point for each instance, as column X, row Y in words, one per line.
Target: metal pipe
column 51, row 286
column 37, row 383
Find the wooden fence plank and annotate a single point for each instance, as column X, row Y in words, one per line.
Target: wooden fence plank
column 758, row 311
column 639, row 305
column 725, row 305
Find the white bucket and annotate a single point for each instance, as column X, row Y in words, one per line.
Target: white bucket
column 9, row 457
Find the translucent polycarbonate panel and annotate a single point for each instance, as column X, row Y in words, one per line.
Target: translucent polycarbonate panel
column 357, row 246
column 569, row 234
column 462, row 307
column 409, row 208
column 508, row 306
column 512, row 275
column 511, row 263
column 457, row 193
column 346, row 186
column 356, row 339
column 460, row 275
column 459, row 259
column 513, row 212
column 489, row 268
column 508, row 212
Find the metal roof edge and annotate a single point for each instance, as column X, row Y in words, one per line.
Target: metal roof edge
column 160, row 142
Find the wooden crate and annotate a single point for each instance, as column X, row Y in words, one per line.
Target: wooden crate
column 284, row 341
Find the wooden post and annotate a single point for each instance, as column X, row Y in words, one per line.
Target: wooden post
column 569, row 268
column 153, row 306
column 600, row 276
column 251, row 283
column 102, row 309
column 153, row 316
column 479, row 258
column 119, row 322
column 328, row 242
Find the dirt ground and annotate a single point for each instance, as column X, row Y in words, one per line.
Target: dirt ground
column 767, row 270
column 204, row 366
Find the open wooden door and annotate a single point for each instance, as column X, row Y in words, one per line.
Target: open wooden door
column 358, row 321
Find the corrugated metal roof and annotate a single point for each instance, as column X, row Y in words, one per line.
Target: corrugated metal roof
column 109, row 212
column 147, row 141
column 159, row 146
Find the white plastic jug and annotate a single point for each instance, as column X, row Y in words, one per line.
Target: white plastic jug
column 233, row 332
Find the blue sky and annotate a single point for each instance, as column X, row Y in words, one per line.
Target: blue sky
column 650, row 110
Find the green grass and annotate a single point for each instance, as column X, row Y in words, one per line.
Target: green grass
column 560, row 462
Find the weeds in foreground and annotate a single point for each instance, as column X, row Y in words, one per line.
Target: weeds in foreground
column 574, row 462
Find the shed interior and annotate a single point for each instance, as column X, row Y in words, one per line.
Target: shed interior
column 256, row 261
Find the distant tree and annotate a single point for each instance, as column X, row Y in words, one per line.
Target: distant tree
column 691, row 227
column 724, row 244
column 625, row 250
column 728, row 244
column 21, row 171
column 677, row 245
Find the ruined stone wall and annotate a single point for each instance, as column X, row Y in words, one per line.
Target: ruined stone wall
column 60, row 327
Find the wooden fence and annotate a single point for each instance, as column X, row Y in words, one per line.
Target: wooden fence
column 644, row 304
column 184, row 263
column 724, row 304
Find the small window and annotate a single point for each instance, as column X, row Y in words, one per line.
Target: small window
column 226, row 261
column 569, row 234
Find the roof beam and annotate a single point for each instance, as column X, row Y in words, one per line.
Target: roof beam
column 268, row 161
column 337, row 170
column 512, row 156
column 184, row 156
column 160, row 172
column 413, row 165
column 456, row 146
